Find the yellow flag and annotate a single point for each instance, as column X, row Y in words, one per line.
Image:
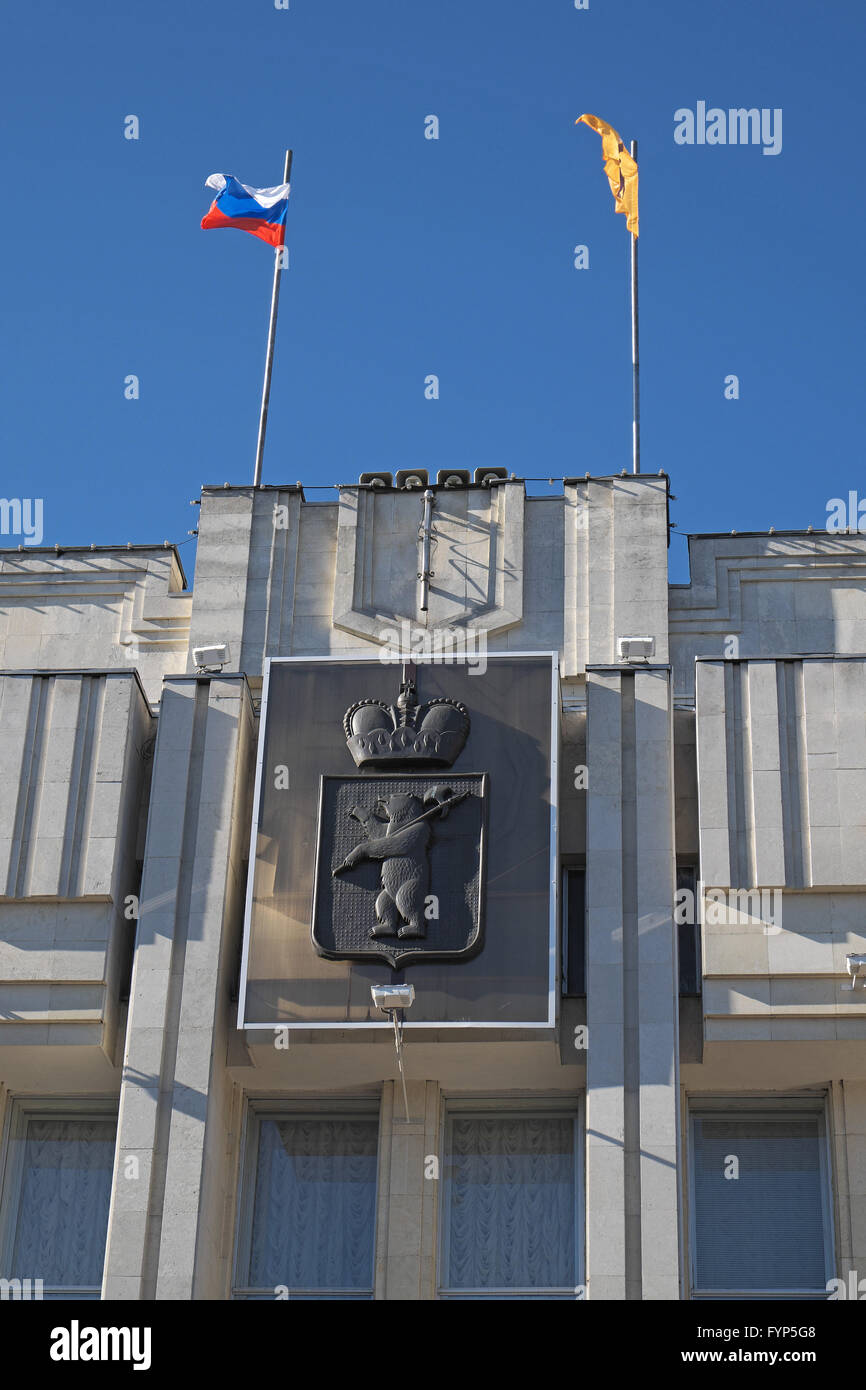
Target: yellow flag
column 620, row 168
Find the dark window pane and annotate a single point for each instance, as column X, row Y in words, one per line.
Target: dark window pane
column 574, row 931
column 689, row 934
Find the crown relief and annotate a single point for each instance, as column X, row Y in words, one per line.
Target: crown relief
column 433, row 732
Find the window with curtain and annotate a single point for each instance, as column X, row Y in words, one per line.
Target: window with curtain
column 510, row 1206
column 56, row 1200
column 760, row 1202
column 312, row 1207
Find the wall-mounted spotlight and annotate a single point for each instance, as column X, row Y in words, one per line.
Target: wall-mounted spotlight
column 393, row 1000
column 388, row 997
column 636, row 648
column 210, row 658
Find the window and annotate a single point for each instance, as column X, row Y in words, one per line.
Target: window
column 308, row 1220
column 689, row 931
column 57, row 1190
column 510, row 1205
column 574, row 931
column 760, row 1204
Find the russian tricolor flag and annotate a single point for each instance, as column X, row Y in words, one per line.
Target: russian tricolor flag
column 261, row 211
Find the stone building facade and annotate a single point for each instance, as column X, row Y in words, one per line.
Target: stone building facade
column 689, row 1117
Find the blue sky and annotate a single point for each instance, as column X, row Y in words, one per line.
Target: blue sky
column 411, row 256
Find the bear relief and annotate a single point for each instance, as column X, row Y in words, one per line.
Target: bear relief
column 399, row 831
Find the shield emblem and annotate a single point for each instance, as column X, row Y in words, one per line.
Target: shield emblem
column 400, row 867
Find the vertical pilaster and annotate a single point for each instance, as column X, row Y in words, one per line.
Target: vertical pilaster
column 848, row 1142
column 632, row 1198
column 657, row 986
column 222, row 567
column 605, row 1092
column 175, row 1046
column 409, row 1192
column 615, row 575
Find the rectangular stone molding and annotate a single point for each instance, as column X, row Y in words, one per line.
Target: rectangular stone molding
column 781, row 753
column 632, row 1138
column 785, row 594
column 477, row 542
column 73, row 744
column 91, row 608
column 616, row 581
column 775, row 966
column 176, row 1103
column 75, row 748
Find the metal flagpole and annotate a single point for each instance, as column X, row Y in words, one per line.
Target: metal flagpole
column 272, row 330
column 635, row 354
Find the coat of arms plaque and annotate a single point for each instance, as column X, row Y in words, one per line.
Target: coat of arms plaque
column 401, row 855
